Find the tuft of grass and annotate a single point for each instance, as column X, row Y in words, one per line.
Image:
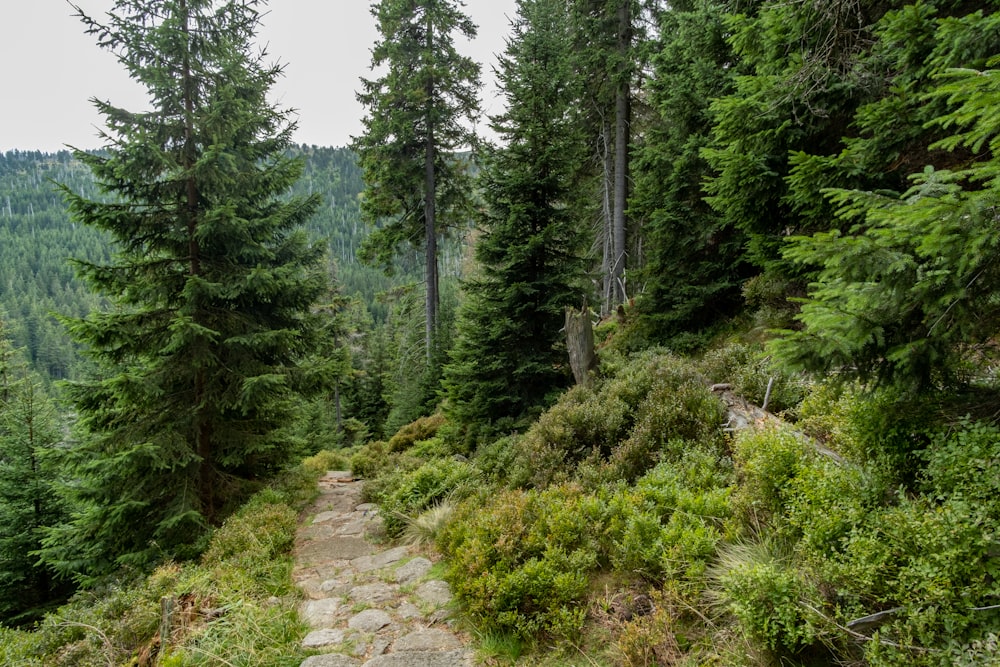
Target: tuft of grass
column 425, row 528
column 500, row 648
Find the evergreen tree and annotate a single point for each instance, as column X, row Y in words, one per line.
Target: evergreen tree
column 797, row 85
column 909, row 294
column 507, row 359
column 28, row 499
column 415, row 184
column 695, row 261
column 211, row 285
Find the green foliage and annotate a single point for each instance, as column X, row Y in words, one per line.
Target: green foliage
column 625, row 425
column 422, row 428
column 765, row 593
column 509, row 358
column 906, row 290
column 211, row 285
column 695, row 262
column 673, row 521
column 418, row 117
column 767, row 460
column 749, row 370
column 29, row 432
column 520, row 564
column 404, row 494
column 244, row 579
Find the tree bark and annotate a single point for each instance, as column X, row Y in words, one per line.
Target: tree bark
column 430, row 188
column 580, row 343
column 623, row 110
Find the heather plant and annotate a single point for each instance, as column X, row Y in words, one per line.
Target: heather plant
column 406, row 493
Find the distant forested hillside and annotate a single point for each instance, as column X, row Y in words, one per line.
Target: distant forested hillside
column 38, row 240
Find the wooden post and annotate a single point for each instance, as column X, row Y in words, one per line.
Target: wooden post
column 580, row 343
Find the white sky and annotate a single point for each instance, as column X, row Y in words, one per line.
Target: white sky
column 50, row 69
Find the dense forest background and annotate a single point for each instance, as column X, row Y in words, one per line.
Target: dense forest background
column 793, row 202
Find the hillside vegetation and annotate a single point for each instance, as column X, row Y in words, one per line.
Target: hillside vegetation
column 712, row 203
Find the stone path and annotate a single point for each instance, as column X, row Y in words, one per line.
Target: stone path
column 368, row 606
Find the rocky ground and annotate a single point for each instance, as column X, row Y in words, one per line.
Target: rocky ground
column 369, row 605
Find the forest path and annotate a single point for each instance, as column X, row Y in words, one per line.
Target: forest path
column 369, row 605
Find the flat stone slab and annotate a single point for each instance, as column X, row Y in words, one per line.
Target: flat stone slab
column 331, row 515
column 413, row 570
column 335, row 587
column 367, row 563
column 408, row 611
column 324, row 637
column 429, row 639
column 354, row 526
column 334, row 548
column 459, row 658
column 370, row 620
column 316, row 532
column 320, row 613
column 373, row 593
column 435, row 592
column 329, row 660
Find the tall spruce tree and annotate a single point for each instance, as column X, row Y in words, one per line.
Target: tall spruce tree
column 507, row 359
column 695, row 264
column 28, row 501
column 419, row 114
column 210, row 288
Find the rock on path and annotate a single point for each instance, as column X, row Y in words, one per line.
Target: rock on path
column 368, row 606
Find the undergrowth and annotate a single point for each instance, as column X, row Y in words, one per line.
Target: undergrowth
column 234, row 606
column 866, row 533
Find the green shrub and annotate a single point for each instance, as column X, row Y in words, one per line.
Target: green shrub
column 581, row 424
column 628, row 422
column 749, row 370
column 500, row 462
column 246, row 563
column 407, row 493
column 674, row 518
column 327, row 459
column 670, row 420
column 370, row 460
column 520, row 561
column 264, row 526
column 827, row 502
column 767, row 460
column 766, row 594
column 934, row 556
column 420, row 429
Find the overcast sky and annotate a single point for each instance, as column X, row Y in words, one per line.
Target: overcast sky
column 50, row 69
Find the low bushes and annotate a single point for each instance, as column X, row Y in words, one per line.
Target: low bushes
column 237, row 603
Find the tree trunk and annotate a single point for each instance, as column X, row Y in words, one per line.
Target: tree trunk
column 607, row 213
column 580, row 343
column 430, row 188
column 623, row 110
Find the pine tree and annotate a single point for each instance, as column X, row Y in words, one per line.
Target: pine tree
column 211, row 288
column 695, row 264
column 28, row 499
column 507, row 359
column 909, row 295
column 415, row 185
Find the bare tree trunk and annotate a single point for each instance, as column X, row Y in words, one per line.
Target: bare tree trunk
column 623, row 109
column 607, row 238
